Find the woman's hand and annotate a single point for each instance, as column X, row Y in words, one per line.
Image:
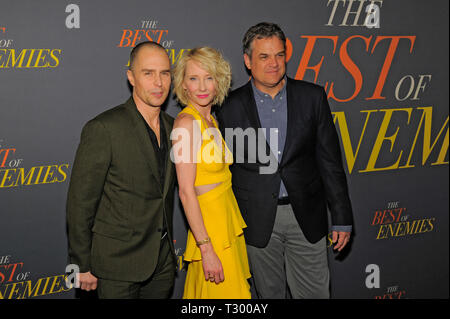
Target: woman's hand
column 212, row 267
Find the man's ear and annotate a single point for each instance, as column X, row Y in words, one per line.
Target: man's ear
column 247, row 61
column 130, row 77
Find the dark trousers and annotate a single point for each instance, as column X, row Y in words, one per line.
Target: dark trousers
column 158, row 286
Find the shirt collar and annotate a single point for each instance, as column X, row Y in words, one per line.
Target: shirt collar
column 260, row 94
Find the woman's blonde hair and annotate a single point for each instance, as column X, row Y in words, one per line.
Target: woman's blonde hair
column 211, row 61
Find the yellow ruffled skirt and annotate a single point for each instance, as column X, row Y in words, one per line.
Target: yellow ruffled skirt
column 224, row 224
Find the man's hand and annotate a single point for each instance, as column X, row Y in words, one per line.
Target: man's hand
column 87, row 281
column 342, row 238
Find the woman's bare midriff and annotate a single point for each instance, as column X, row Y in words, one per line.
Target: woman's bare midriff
column 202, row 189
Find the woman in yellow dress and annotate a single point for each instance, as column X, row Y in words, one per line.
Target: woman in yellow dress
column 215, row 249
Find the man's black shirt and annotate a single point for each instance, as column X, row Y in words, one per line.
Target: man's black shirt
column 160, row 150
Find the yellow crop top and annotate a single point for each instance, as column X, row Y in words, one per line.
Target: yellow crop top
column 213, row 157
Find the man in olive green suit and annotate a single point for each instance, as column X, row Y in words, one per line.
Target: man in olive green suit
column 120, row 200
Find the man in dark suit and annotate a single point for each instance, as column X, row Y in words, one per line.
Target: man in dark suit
column 120, row 200
column 286, row 209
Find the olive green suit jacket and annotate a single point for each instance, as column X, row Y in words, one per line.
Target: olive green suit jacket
column 116, row 203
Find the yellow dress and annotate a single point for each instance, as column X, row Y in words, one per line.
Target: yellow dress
column 223, row 222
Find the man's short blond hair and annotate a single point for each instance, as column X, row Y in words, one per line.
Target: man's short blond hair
column 211, row 61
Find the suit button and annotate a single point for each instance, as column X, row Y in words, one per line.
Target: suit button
column 159, row 229
column 274, row 195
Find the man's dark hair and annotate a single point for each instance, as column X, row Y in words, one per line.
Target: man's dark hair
column 262, row 30
column 141, row 45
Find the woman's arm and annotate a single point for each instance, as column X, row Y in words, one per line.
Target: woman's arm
column 186, row 167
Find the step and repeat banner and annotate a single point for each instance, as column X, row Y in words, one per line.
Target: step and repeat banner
column 384, row 66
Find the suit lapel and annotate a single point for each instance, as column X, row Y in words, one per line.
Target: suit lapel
column 291, row 104
column 145, row 144
column 250, row 107
column 169, row 164
column 295, row 122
